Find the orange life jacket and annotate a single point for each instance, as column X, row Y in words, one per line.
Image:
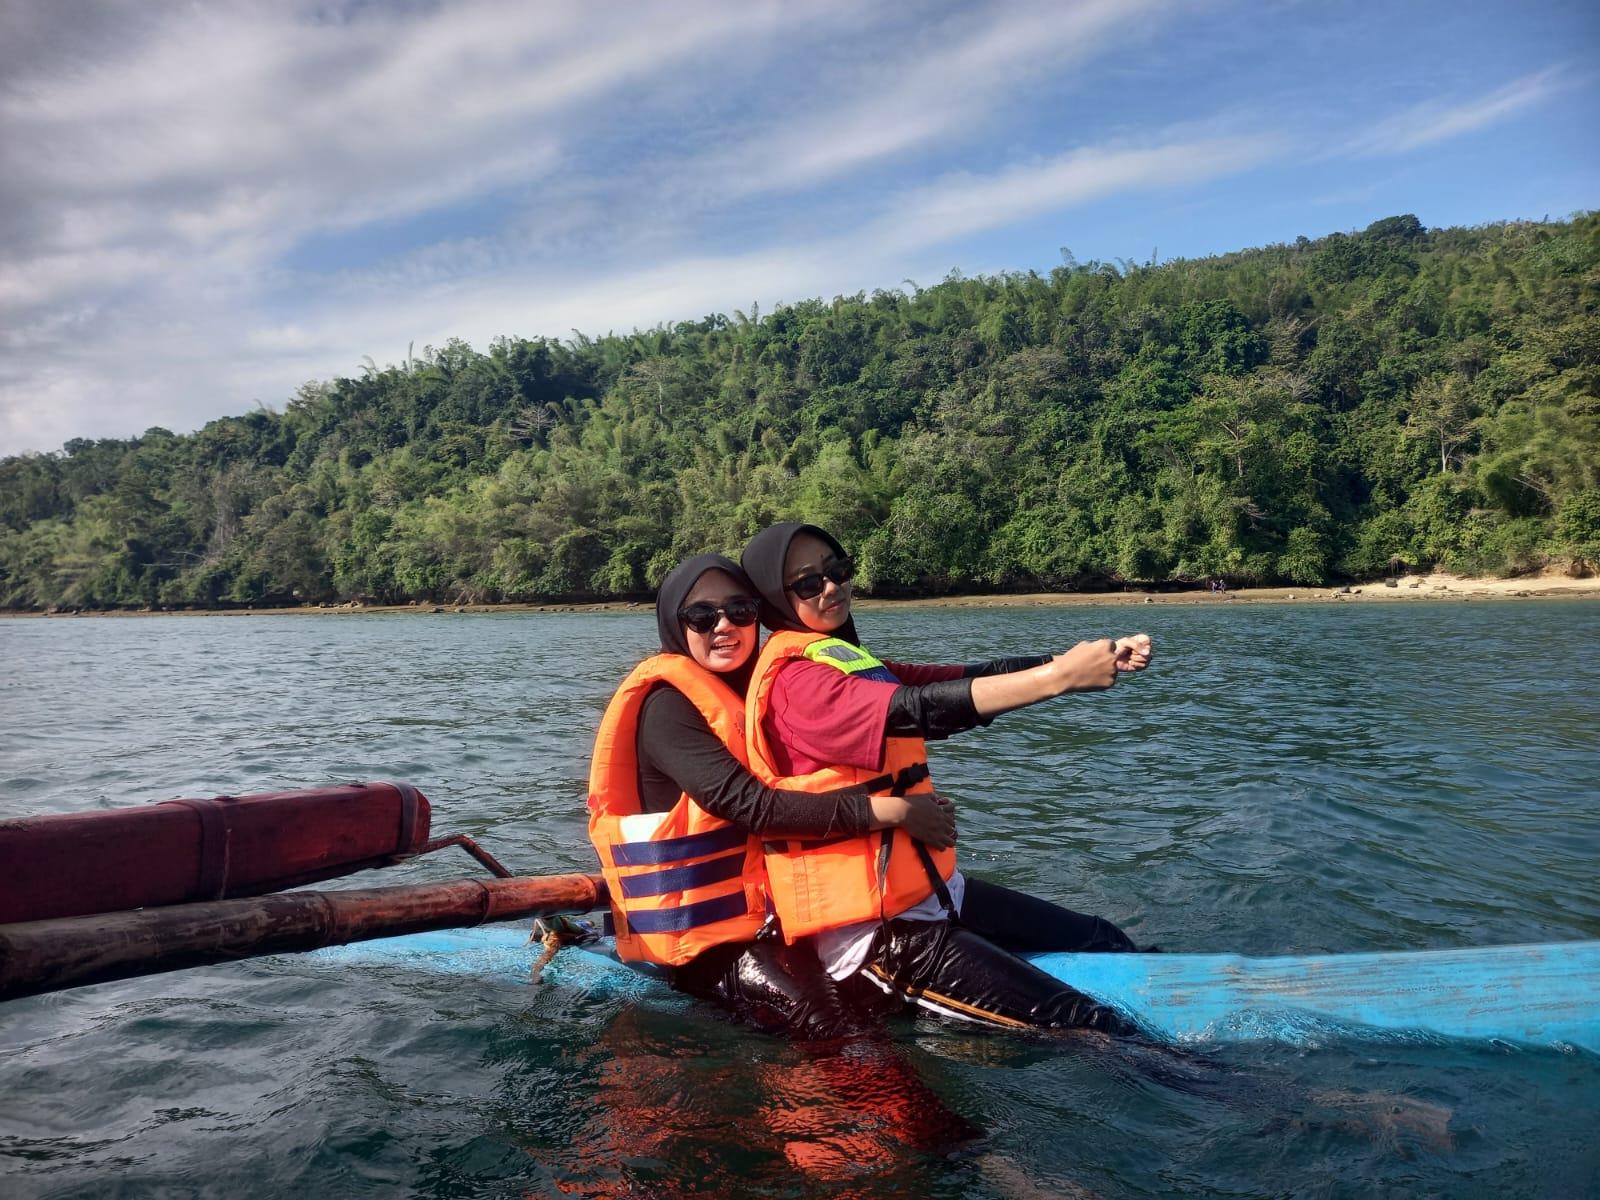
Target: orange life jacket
column 818, row 885
column 681, row 881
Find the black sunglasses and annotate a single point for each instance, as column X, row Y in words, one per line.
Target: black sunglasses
column 809, row 587
column 702, row 618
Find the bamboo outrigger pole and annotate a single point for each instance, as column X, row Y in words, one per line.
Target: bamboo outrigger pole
column 67, row 952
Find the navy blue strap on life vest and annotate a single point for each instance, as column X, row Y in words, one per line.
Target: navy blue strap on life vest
column 666, row 850
column 939, row 888
column 682, row 879
column 898, row 785
column 687, row 916
column 878, row 674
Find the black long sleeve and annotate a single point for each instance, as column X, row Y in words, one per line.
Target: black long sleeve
column 1005, row 666
column 937, row 710
column 932, row 710
column 678, row 753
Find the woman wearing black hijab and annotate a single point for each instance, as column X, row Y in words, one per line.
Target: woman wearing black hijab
column 954, row 951
column 706, row 617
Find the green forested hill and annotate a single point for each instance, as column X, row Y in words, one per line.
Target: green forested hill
column 1297, row 413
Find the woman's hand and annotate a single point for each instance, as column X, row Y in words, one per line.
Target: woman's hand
column 1134, row 653
column 927, row 816
column 1087, row 667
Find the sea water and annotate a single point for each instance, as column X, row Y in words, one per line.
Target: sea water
column 1287, row 778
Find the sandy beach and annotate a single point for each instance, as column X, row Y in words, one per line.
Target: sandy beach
column 1438, row 586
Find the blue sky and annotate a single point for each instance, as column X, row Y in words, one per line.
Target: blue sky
column 203, row 207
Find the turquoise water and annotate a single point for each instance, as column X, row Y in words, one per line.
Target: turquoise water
column 1286, row 779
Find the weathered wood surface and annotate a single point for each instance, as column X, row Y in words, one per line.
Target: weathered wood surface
column 48, row 956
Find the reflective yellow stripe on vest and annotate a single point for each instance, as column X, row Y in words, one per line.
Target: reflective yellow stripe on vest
column 852, row 660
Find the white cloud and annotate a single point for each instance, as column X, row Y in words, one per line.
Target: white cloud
column 241, row 129
column 934, row 86
column 963, row 205
column 202, row 206
column 330, row 335
column 158, row 164
column 1436, row 120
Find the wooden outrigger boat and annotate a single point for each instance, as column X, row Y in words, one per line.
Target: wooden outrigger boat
column 93, row 897
column 207, row 906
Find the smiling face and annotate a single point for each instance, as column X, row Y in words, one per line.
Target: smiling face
column 728, row 646
column 827, row 611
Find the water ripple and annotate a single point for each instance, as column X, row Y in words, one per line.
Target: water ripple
column 1288, row 778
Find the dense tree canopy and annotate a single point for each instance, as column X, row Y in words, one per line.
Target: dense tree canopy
column 1299, row 413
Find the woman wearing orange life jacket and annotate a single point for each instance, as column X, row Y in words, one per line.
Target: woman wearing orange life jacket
column 677, row 819
column 824, row 713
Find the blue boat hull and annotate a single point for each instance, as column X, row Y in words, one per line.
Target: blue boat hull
column 1547, row 995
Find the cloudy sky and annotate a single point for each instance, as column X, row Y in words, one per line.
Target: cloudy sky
column 205, row 205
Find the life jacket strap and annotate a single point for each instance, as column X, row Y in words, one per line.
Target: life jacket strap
column 900, row 784
column 939, row 888
column 682, row 879
column 896, row 785
column 688, row 916
column 666, row 850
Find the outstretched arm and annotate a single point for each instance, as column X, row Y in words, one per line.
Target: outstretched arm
column 1087, row 667
column 939, row 701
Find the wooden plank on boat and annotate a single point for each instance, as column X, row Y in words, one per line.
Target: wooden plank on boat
column 66, row 952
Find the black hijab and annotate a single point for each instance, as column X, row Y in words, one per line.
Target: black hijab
column 763, row 562
column 670, row 595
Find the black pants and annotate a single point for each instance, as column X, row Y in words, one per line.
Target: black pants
column 776, row 987
column 967, row 968
column 1025, row 924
